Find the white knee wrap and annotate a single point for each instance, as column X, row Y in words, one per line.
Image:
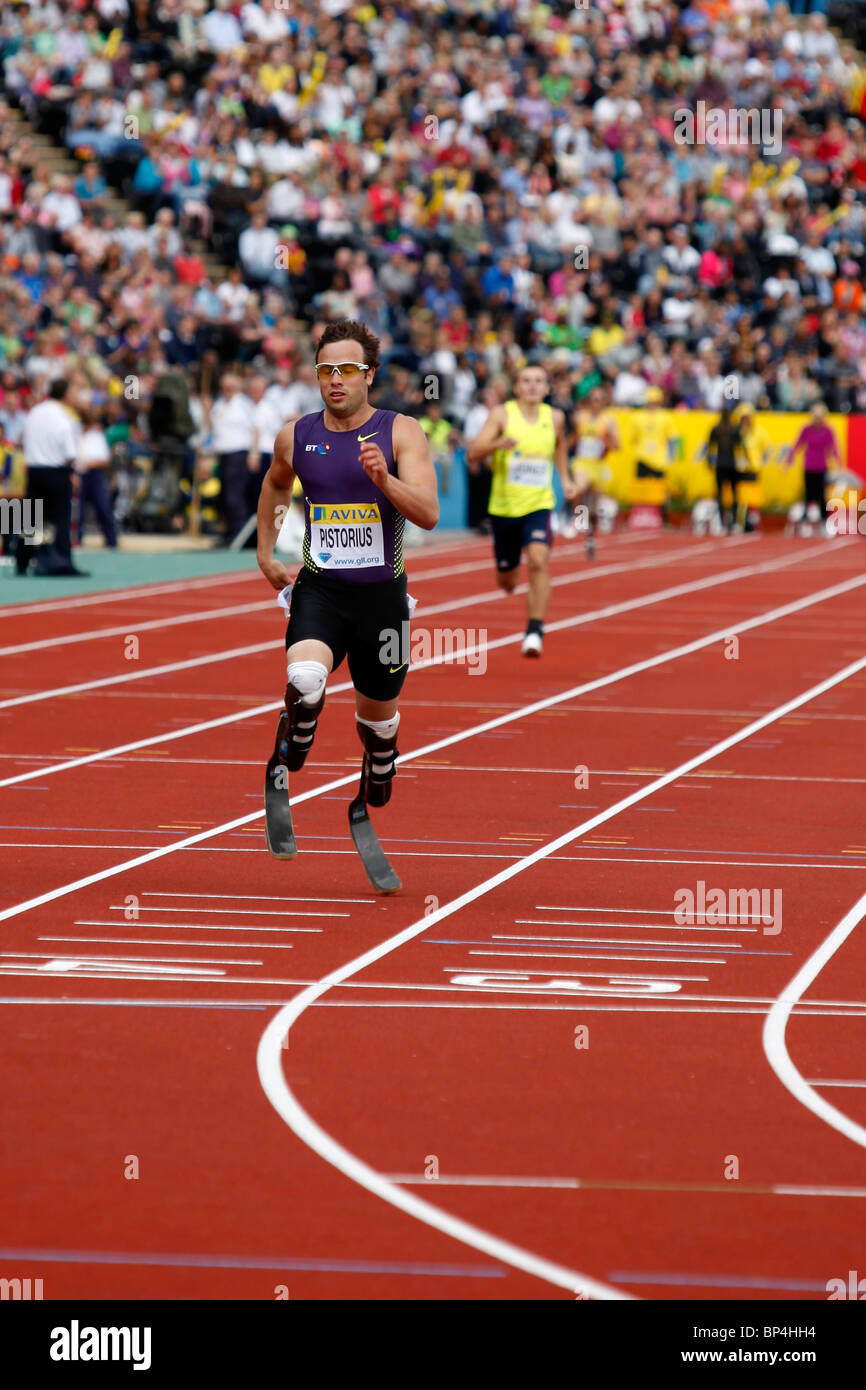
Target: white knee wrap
column 385, row 728
column 308, row 678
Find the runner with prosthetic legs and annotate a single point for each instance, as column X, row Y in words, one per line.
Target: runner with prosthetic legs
column 597, row 436
column 364, row 472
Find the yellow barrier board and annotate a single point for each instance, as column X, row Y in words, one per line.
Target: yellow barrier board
column 689, row 476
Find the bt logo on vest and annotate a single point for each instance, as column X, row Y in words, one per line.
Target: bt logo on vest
column 316, row 448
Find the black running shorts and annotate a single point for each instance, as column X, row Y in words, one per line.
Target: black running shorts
column 511, row 534
column 364, row 622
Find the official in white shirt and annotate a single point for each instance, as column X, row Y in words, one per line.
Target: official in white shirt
column 269, row 420
column 94, row 457
column 233, row 432
column 257, row 251
column 50, row 444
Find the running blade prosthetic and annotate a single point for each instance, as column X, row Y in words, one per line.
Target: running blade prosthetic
column 376, row 866
column 279, row 831
column 377, row 774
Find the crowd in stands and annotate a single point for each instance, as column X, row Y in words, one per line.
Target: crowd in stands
column 485, row 184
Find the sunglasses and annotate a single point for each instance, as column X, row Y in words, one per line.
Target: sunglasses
column 324, row 370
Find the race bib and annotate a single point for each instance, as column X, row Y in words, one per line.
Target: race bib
column 346, row 536
column 526, row 471
column 590, row 447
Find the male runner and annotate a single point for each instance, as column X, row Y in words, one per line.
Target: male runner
column 597, row 436
column 364, row 472
column 527, row 439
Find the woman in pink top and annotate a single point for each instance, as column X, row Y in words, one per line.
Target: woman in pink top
column 818, row 443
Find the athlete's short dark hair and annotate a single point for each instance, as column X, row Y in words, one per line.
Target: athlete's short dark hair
column 358, row 332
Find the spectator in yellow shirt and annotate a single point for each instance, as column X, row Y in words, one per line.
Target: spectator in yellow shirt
column 276, row 72
column 607, row 334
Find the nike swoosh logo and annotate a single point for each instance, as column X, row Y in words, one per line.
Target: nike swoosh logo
column 392, row 670
column 363, row 437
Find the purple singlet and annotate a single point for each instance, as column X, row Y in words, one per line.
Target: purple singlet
column 352, row 531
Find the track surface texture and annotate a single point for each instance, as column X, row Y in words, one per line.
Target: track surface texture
column 526, row 1076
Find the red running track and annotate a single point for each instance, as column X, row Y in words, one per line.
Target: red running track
column 589, row 1077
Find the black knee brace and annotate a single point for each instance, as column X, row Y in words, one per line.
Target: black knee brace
column 379, row 767
column 297, row 728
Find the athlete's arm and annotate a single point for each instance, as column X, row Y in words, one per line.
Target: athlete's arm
column 275, row 500
column 560, row 456
column 413, row 492
column 254, row 457
column 794, row 451
column 490, row 437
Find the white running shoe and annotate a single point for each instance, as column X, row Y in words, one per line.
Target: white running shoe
column 532, row 644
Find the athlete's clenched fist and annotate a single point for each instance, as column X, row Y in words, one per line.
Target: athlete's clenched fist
column 374, row 464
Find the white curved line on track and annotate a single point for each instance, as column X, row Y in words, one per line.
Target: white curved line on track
column 775, row 1045
column 270, row 1049
column 612, row 678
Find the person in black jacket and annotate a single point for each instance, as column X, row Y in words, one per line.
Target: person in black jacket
column 723, row 445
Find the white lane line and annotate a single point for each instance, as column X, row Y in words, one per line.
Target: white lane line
column 66, row 969
column 775, row 1046
column 201, row 616
column 419, row 854
column 256, row 897
column 501, row 980
column 699, row 863
column 181, row 620
column 599, row 955
column 469, row 1180
column 596, row 1185
column 469, row 600
column 618, row 941
column 229, row 911
column 205, row 926
column 801, row 1190
column 641, row 911
column 657, row 560
column 659, row 596
column 270, row 1050
column 525, row 1006
column 122, row 960
column 150, row 671
column 486, row 770
column 63, row 605
column 650, row 926
column 648, row 663
column 134, row 592
column 819, row 1082
column 517, row 1003
column 270, row 1072
column 157, row 941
